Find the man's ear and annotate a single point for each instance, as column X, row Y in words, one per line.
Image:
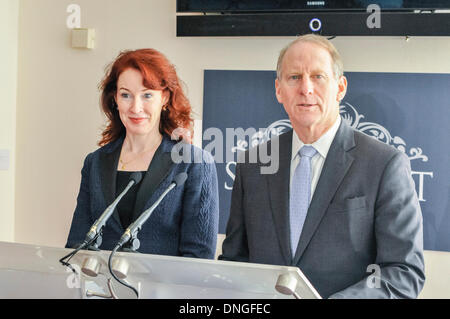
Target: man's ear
column 342, row 88
column 278, row 91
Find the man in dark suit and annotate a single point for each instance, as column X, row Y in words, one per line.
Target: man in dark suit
column 341, row 205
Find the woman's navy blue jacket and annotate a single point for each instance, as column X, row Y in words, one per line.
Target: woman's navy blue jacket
column 186, row 221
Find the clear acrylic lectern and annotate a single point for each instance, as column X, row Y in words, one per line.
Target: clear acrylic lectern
column 28, row 271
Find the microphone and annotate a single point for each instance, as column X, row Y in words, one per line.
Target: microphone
column 96, row 228
column 132, row 230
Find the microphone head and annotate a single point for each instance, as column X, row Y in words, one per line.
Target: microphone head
column 136, row 177
column 180, row 179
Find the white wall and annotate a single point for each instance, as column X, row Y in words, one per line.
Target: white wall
column 9, row 23
column 59, row 118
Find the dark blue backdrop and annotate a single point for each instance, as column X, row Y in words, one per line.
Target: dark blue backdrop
column 406, row 110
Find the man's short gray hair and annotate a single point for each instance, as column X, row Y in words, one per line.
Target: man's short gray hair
column 338, row 65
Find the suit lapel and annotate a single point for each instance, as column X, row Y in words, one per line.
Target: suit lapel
column 108, row 173
column 336, row 165
column 156, row 173
column 279, row 195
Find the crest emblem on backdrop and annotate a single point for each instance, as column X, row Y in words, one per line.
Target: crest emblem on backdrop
column 353, row 118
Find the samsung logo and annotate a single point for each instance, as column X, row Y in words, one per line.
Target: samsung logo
column 315, row 3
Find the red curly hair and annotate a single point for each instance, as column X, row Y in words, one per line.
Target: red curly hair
column 158, row 74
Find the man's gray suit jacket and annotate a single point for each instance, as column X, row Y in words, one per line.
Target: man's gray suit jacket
column 364, row 212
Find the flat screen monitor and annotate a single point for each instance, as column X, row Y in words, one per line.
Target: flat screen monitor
column 244, row 6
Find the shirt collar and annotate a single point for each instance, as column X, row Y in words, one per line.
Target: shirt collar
column 322, row 145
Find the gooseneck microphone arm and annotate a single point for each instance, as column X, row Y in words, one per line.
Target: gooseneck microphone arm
column 97, row 227
column 94, row 233
column 136, row 226
column 130, row 234
column 132, row 230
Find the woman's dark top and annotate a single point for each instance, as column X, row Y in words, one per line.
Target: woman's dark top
column 126, row 205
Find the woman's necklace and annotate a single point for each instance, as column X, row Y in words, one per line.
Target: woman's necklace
column 123, row 164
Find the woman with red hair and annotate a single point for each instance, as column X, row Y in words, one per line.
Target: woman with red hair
column 145, row 107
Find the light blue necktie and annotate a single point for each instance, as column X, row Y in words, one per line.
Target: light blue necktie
column 300, row 195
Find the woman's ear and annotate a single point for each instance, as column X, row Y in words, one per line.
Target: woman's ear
column 165, row 98
column 114, row 100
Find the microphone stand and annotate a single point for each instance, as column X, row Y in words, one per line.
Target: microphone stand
column 95, row 233
column 129, row 237
column 94, row 236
